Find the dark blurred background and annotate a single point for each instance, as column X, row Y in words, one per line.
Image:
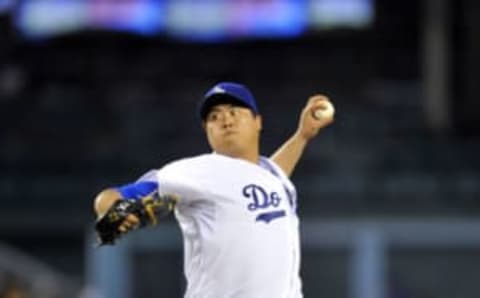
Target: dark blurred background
column 95, row 93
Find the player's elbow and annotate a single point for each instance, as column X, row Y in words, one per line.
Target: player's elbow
column 104, row 200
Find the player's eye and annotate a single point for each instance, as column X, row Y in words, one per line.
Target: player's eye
column 212, row 117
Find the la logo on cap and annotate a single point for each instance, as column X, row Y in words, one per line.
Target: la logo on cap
column 218, row 89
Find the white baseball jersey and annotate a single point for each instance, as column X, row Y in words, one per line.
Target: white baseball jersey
column 239, row 224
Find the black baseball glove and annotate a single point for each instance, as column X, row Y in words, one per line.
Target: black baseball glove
column 148, row 210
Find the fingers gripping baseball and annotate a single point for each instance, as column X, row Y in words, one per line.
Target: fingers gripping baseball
column 318, row 113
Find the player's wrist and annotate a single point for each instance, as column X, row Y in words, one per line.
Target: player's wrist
column 104, row 200
column 301, row 137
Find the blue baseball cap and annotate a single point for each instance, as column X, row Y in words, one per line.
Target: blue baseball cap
column 227, row 92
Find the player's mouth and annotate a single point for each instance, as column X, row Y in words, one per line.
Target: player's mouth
column 229, row 133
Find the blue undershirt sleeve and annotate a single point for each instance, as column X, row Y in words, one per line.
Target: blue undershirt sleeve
column 137, row 190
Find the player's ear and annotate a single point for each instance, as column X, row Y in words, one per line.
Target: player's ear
column 258, row 120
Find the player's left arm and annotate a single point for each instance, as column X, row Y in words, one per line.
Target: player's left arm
column 290, row 152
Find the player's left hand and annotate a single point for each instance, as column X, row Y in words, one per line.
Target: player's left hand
column 309, row 125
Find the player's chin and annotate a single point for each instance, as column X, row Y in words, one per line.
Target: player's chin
column 230, row 149
column 229, row 140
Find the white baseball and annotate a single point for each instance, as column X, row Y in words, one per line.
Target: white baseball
column 326, row 112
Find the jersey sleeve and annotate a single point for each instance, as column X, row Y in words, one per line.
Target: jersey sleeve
column 150, row 176
column 183, row 180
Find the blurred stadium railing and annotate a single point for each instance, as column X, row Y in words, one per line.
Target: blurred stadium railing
column 25, row 276
column 373, row 258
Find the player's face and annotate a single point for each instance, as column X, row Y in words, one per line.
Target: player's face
column 233, row 130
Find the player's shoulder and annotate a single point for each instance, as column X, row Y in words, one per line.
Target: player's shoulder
column 190, row 163
column 270, row 164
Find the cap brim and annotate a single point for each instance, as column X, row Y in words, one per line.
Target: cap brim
column 219, row 98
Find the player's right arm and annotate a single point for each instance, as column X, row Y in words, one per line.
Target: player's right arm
column 142, row 205
column 105, row 200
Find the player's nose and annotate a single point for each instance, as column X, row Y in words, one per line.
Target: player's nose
column 227, row 120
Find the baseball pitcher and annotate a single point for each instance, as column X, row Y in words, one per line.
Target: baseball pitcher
column 236, row 208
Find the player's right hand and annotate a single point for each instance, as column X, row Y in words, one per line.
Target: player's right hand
column 117, row 216
column 105, row 200
column 130, row 223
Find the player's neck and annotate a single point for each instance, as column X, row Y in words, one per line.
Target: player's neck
column 250, row 156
